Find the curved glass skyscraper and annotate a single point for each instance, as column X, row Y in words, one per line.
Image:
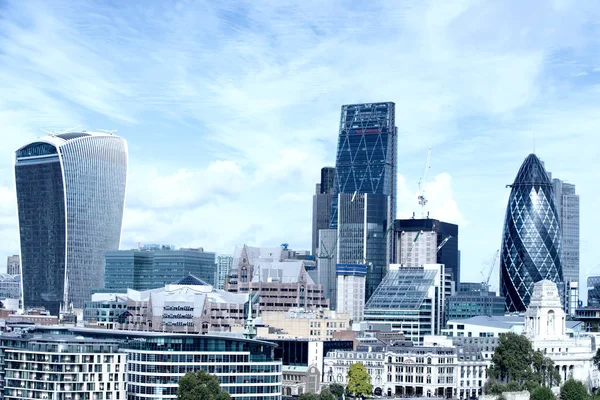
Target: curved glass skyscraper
column 70, row 196
column 531, row 241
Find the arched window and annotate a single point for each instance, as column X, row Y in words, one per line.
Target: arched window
column 244, row 275
column 428, row 360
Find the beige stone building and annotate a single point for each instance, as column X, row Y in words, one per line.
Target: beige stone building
column 281, row 284
column 300, row 323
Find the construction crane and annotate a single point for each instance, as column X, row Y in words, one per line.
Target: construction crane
column 443, row 243
column 486, row 283
column 422, row 183
column 410, row 249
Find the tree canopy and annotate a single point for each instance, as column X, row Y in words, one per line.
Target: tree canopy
column 542, row 393
column 573, row 390
column 516, row 366
column 337, row 390
column 359, row 381
column 596, row 359
column 200, row 385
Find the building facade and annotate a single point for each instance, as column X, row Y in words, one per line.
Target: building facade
column 13, row 265
column 10, row 286
column 70, row 197
column 300, row 323
column 593, row 291
column 279, row 284
column 531, row 239
column 321, row 211
column 410, row 300
column 326, row 259
column 224, row 263
column 416, row 243
column 567, row 203
column 155, row 266
column 470, row 304
column 351, row 290
column 362, row 238
column 154, row 362
column 61, row 367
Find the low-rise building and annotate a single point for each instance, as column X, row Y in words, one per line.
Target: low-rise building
column 10, row 286
column 105, row 310
column 299, row 323
column 466, row 304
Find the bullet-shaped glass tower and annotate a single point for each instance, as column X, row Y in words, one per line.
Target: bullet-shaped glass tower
column 531, row 240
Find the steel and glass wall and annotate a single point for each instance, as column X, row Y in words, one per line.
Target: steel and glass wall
column 531, row 241
column 70, row 195
column 593, row 290
column 362, row 238
column 567, row 204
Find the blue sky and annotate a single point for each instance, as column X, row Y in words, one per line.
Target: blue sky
column 231, row 108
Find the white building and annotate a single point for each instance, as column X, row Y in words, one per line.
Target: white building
column 224, row 263
column 64, row 367
column 351, row 290
column 545, row 327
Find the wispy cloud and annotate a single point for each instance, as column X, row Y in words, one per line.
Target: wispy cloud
column 231, row 109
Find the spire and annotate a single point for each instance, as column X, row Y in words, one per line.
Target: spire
column 250, row 329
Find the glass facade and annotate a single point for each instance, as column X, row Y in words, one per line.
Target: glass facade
column 362, row 239
column 151, row 269
column 531, row 240
column 567, row 204
column 366, row 153
column 224, row 263
column 466, row 305
column 593, row 290
column 70, row 195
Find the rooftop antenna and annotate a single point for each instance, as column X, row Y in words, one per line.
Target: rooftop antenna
column 534, row 142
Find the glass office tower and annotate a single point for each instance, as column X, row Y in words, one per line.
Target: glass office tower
column 366, row 164
column 531, row 241
column 70, row 197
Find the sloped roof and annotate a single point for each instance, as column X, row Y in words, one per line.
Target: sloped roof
column 191, row 280
column 532, row 172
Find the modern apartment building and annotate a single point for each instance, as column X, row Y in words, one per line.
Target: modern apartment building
column 154, row 266
column 70, row 197
column 531, row 238
column 61, row 367
column 147, row 364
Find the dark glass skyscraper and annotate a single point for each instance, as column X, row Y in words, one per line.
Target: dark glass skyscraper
column 531, row 241
column 322, row 205
column 366, row 154
column 70, row 197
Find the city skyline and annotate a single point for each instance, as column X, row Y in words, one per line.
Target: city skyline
column 217, row 143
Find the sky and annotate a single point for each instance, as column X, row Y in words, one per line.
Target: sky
column 231, row 108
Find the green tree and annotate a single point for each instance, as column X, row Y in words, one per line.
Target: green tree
column 326, row 394
column 359, row 381
column 309, row 396
column 596, row 359
column 544, row 372
column 573, row 390
column 542, row 393
column 337, row 390
column 512, row 359
column 200, row 385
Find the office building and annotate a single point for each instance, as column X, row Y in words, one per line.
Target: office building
column 472, row 287
column 470, row 304
column 411, row 300
column 62, row 367
column 416, row 242
column 362, row 239
column 154, row 363
column 351, row 290
column 300, row 323
column 278, row 283
column 70, row 196
column 567, row 204
column 365, row 173
column 154, row 266
column 531, row 239
column 322, row 205
column 326, row 265
column 13, row 265
column 10, row 286
column 593, row 290
column 187, row 306
column 224, row 263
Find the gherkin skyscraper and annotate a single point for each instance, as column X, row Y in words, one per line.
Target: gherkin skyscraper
column 531, row 240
